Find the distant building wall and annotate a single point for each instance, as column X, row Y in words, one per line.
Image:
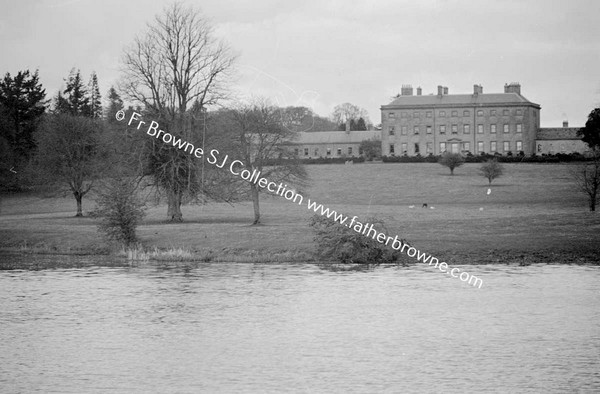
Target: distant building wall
column 476, row 123
column 333, row 144
column 552, row 140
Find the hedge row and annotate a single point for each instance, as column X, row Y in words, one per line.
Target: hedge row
column 557, row 158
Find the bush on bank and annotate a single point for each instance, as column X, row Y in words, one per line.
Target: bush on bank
column 120, row 210
column 339, row 243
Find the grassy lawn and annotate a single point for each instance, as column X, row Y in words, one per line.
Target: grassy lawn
column 532, row 212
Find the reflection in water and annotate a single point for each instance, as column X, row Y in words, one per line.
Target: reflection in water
column 297, row 327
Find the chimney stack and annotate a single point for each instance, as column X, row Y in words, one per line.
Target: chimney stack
column 513, row 87
column 419, row 91
column 407, row 90
column 445, row 89
column 565, row 123
column 440, row 90
column 477, row 89
column 347, row 126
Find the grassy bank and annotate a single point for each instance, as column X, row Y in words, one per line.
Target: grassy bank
column 533, row 214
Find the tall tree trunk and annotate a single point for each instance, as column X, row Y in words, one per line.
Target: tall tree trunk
column 174, row 206
column 254, row 190
column 78, row 198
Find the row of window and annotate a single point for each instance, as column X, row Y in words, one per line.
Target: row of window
column 442, row 114
column 327, row 151
column 454, row 129
column 457, row 147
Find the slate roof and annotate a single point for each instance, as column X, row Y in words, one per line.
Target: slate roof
column 335, row 137
column 557, row 133
column 445, row 100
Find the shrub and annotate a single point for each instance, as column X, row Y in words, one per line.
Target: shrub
column 340, row 243
column 452, row 161
column 120, row 210
column 491, row 170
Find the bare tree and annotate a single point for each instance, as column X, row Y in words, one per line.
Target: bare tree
column 587, row 178
column 491, row 170
column 175, row 70
column 70, row 154
column 347, row 112
column 261, row 142
column 451, row 160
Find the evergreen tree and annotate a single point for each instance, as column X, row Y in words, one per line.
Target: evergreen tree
column 74, row 100
column 360, row 124
column 591, row 132
column 95, row 99
column 115, row 103
column 22, row 103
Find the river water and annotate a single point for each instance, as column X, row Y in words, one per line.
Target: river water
column 299, row 328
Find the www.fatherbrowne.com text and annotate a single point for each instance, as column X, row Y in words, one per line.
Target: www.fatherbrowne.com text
column 237, row 168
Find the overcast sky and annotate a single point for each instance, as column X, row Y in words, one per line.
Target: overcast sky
column 323, row 53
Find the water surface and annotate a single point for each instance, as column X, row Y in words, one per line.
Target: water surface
column 299, row 328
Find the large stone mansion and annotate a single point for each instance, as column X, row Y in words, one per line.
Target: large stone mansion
column 504, row 123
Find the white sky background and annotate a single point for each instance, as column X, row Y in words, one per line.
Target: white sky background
column 323, row 53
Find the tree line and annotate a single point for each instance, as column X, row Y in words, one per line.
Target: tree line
column 177, row 73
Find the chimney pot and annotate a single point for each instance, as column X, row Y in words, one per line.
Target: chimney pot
column 407, row 90
column 513, row 87
column 565, row 123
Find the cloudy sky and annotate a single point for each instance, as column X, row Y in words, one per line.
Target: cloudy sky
column 323, row 53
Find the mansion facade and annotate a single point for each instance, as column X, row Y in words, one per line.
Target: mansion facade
column 504, row 123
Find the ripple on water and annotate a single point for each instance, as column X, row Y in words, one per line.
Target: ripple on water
column 298, row 327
